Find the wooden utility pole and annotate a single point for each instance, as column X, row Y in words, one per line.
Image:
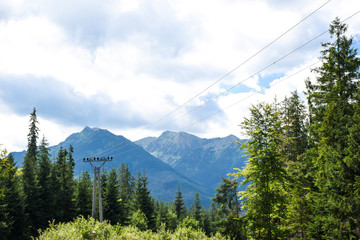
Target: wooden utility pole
column 97, row 178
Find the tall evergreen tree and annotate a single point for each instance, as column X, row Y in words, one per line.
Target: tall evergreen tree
column 4, row 213
column 126, row 189
column 297, row 166
column 45, row 192
column 64, row 199
column 12, row 223
column 197, row 208
column 228, row 220
column 112, row 207
column 143, row 201
column 30, row 177
column 179, row 204
column 84, row 195
column 162, row 216
column 333, row 101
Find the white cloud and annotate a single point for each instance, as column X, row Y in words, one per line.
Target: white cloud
column 153, row 56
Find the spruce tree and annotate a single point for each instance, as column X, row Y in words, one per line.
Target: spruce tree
column 297, row 166
column 4, row 213
column 112, row 207
column 30, row 178
column 179, row 204
column 197, row 209
column 45, row 192
column 143, row 201
column 126, row 189
column 162, row 216
column 11, row 200
column 333, row 102
column 84, row 195
column 64, row 198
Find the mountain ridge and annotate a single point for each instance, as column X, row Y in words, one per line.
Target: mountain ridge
column 201, row 159
column 173, row 158
column 163, row 179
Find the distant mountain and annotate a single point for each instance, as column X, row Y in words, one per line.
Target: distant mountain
column 163, row 179
column 200, row 159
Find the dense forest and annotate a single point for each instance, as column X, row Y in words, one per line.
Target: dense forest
column 302, row 176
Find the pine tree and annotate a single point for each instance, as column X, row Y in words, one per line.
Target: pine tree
column 197, row 208
column 296, row 165
column 12, row 201
column 213, row 217
column 227, row 217
column 64, row 199
column 333, row 101
column 126, row 189
column 179, row 204
column 112, row 207
column 5, row 225
column 143, row 201
column 45, row 183
column 162, row 216
column 30, row 178
column 84, row 195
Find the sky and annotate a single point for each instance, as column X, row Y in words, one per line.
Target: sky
column 139, row 68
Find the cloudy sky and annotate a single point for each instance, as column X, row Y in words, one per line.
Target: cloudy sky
column 126, row 65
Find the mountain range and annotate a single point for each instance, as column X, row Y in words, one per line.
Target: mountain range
column 173, row 158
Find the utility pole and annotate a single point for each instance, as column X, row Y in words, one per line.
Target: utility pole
column 97, row 178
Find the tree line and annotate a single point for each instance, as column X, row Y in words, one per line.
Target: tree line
column 46, row 191
column 302, row 177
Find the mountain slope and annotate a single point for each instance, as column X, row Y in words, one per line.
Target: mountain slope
column 163, row 179
column 200, row 159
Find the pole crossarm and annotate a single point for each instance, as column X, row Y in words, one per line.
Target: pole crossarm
column 97, row 179
column 98, row 159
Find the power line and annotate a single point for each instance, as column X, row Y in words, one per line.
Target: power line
column 259, row 91
column 238, row 102
column 251, row 76
column 228, row 73
column 258, row 72
column 262, row 89
column 253, row 94
column 237, row 67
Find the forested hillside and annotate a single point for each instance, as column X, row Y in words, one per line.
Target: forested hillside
column 301, row 179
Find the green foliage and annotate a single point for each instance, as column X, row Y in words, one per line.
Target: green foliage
column 264, row 174
column 112, row 207
column 12, row 217
column 297, row 166
column 45, row 188
column 143, row 201
column 30, row 178
column 162, row 215
column 82, row 228
column 179, row 205
column 334, row 102
column 65, row 208
column 197, row 208
column 84, row 195
column 139, row 220
column 227, row 215
column 189, row 222
column 126, row 189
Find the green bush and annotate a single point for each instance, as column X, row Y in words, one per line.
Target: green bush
column 82, row 228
